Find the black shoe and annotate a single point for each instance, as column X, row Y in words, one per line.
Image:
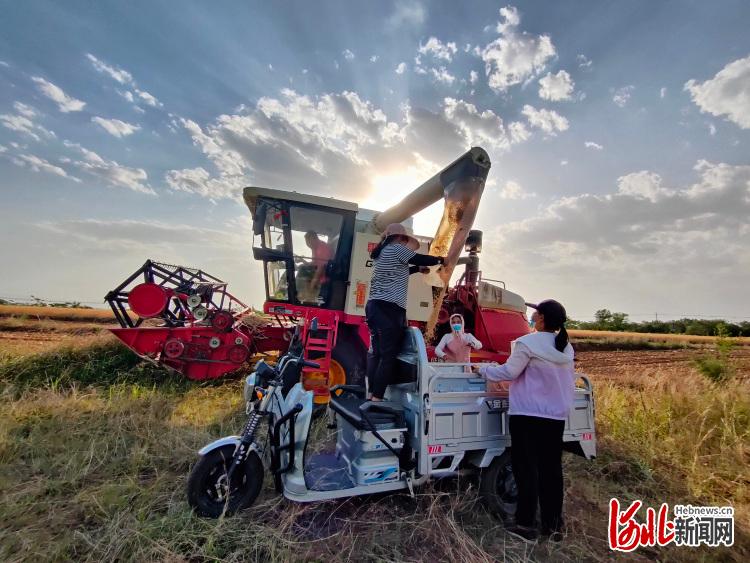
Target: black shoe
column 528, row 535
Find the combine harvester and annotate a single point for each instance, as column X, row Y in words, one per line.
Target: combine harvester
column 316, row 261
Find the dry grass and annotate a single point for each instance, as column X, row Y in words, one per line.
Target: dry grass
column 57, row 313
column 95, row 449
column 679, row 339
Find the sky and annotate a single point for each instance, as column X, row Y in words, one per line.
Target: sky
column 619, row 134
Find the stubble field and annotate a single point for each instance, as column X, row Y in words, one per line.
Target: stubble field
column 95, row 448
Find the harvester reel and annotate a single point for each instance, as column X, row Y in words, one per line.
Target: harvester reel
column 185, row 319
column 148, row 300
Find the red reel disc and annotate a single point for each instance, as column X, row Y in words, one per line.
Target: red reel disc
column 222, row 321
column 238, row 354
column 173, row 348
column 148, row 300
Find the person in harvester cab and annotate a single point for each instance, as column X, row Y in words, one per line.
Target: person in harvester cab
column 456, row 346
column 540, row 369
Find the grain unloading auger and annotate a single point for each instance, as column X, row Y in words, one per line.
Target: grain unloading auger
column 315, row 254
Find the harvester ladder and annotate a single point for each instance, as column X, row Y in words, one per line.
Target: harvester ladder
column 321, row 342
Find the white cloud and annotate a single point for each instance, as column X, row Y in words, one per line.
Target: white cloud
column 401, row 68
column 515, row 56
column 23, row 122
column 473, row 76
column 726, row 94
column 662, row 92
column 118, row 74
column 593, row 145
column 518, row 132
column 199, row 181
column 644, row 235
column 37, row 164
column 24, row 110
column 583, row 62
column 110, row 171
column 3, row 63
column 116, row 127
column 374, row 58
column 123, row 77
column 442, row 75
column 556, row 87
column 621, row 96
column 438, row 49
column 643, row 184
column 407, row 13
column 563, row 162
column 3, row 148
column 547, row 120
column 148, row 98
column 335, row 144
column 64, row 102
column 712, row 129
column 513, row 190
column 479, row 128
column 348, row 55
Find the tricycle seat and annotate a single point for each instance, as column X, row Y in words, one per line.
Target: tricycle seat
column 380, row 416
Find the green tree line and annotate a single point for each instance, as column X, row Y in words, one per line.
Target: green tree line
column 604, row 319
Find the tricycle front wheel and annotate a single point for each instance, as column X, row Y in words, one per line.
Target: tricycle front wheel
column 208, row 490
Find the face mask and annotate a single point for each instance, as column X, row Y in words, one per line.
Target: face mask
column 457, row 328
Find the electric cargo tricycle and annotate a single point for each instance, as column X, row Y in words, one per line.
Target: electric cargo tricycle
column 437, row 419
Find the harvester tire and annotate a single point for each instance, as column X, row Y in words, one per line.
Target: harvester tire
column 497, row 488
column 351, row 355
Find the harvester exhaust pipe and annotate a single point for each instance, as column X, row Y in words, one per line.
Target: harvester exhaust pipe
column 474, row 165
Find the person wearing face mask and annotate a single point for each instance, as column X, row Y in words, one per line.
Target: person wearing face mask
column 456, row 346
column 542, row 389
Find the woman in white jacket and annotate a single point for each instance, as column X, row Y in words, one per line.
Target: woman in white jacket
column 540, row 368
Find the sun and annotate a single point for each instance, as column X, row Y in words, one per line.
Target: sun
column 388, row 189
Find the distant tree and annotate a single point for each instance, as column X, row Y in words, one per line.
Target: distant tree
column 619, row 322
column 603, row 317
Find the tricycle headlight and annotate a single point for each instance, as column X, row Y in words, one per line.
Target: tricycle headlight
column 249, row 391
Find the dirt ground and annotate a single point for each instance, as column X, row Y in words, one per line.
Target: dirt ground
column 609, row 364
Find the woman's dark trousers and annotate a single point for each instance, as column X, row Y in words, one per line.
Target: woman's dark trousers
column 536, row 455
column 386, row 322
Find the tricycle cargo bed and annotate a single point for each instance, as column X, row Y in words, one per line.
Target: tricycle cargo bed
column 464, row 415
column 462, row 421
